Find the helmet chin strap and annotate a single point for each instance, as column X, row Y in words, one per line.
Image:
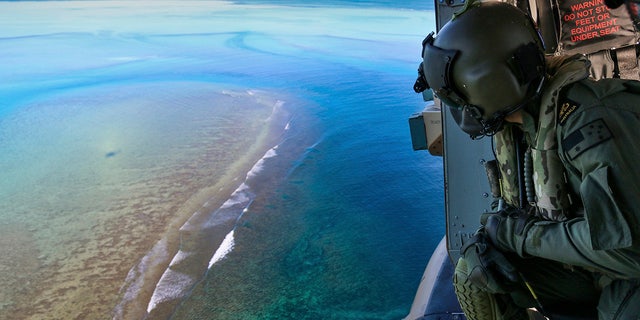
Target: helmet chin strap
column 496, row 123
column 492, row 126
column 488, row 127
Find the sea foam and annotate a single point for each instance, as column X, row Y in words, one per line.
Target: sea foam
column 172, row 285
column 179, row 257
column 135, row 278
column 239, row 196
column 257, row 168
column 224, row 249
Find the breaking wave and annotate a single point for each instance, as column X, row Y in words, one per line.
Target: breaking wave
column 224, row 249
column 191, row 262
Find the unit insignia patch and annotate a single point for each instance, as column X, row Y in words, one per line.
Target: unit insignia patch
column 566, row 109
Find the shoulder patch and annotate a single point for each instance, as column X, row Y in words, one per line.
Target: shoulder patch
column 586, row 137
column 567, row 107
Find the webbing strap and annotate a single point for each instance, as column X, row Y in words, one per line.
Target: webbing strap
column 628, row 63
column 602, row 64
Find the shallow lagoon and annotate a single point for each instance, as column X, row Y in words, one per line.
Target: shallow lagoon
column 124, row 121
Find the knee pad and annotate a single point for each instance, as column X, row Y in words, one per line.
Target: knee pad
column 481, row 305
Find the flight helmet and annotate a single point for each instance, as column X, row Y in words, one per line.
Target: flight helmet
column 486, row 63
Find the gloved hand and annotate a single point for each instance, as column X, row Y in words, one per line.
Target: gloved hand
column 507, row 229
column 486, row 267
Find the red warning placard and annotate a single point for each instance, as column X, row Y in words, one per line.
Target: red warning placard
column 589, row 25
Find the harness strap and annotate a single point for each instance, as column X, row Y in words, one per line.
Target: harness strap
column 627, row 63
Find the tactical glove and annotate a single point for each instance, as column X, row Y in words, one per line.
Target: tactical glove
column 488, row 268
column 507, row 229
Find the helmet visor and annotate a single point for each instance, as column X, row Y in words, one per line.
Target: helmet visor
column 441, row 60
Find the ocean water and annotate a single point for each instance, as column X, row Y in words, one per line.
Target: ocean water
column 213, row 160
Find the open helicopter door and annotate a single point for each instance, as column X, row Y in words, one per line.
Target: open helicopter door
column 466, row 191
column 607, row 36
column 466, row 186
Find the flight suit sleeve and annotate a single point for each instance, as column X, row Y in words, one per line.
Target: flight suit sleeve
column 600, row 152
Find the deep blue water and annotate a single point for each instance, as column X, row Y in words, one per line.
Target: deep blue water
column 368, row 211
column 407, row 4
column 344, row 219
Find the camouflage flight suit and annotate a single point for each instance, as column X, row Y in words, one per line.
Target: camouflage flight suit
column 587, row 131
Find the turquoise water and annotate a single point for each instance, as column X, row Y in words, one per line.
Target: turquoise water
column 336, row 218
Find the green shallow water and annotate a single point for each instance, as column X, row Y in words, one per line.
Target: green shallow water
column 93, row 179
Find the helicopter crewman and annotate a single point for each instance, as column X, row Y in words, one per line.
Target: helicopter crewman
column 580, row 138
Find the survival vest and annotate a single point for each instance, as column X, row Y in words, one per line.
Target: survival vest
column 550, row 195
